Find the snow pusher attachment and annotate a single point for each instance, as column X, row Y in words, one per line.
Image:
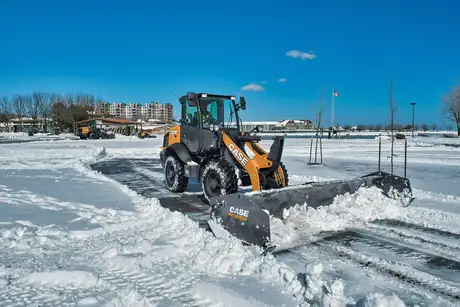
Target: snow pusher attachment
column 246, row 215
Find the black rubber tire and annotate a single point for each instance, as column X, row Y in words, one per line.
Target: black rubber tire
column 178, row 182
column 224, row 174
column 285, row 172
column 286, row 177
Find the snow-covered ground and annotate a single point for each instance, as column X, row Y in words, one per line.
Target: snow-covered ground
column 19, row 137
column 72, row 236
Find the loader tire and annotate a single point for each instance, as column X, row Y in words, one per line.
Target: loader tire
column 285, row 172
column 217, row 178
column 274, row 177
column 174, row 171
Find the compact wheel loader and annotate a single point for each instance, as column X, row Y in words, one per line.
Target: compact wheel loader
column 213, row 149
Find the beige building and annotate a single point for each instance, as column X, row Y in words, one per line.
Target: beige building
column 156, row 110
column 135, row 111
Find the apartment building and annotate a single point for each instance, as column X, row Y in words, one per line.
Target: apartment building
column 156, row 110
column 134, row 111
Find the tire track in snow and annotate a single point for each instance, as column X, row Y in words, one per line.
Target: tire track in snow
column 341, row 266
column 388, row 249
column 438, row 197
column 144, row 176
column 423, row 228
column 404, row 263
column 156, row 280
column 432, row 242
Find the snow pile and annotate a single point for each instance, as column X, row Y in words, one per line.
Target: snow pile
column 303, row 223
column 22, row 136
column 61, row 279
column 380, row 300
column 128, row 297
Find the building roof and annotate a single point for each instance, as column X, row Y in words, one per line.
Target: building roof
column 108, row 120
column 281, row 123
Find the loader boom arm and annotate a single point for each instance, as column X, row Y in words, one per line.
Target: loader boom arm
column 260, row 161
column 245, row 162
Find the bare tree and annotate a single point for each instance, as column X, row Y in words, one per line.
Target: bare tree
column 360, row 127
column 18, row 108
column 69, row 99
column 27, row 103
column 318, row 136
column 5, row 110
column 451, row 106
column 43, row 105
column 392, row 112
column 434, row 127
column 101, row 106
column 36, row 100
column 56, row 102
column 425, row 127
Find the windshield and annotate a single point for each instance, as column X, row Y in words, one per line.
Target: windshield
column 217, row 111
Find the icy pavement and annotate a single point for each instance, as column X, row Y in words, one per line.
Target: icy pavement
column 87, row 223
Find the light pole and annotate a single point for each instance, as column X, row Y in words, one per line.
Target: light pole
column 413, row 112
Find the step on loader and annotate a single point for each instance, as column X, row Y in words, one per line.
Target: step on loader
column 213, row 149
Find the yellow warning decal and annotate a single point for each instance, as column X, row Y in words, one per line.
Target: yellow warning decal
column 239, row 217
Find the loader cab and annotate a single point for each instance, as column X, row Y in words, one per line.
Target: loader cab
column 211, row 112
column 204, row 115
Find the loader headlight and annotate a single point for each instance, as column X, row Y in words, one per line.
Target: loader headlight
column 215, row 128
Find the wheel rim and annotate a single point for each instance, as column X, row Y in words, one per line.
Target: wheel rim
column 212, row 185
column 170, row 174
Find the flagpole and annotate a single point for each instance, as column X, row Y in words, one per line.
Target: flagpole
column 332, row 115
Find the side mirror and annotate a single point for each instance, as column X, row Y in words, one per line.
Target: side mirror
column 242, row 103
column 192, row 99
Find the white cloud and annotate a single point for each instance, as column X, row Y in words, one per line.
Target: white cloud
column 253, row 87
column 282, row 80
column 302, row 55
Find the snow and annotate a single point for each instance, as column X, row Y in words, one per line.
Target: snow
column 71, row 236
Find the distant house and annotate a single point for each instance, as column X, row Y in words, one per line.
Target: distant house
column 289, row 124
column 296, row 124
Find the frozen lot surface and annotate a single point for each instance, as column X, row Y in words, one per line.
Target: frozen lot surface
column 88, row 223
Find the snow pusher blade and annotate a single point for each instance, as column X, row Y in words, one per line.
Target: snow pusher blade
column 246, row 215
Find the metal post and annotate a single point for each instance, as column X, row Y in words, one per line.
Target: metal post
column 405, row 158
column 332, row 114
column 380, row 150
column 311, row 148
column 413, row 117
column 316, row 146
column 321, row 146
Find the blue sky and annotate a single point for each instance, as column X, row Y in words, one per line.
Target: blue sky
column 148, row 50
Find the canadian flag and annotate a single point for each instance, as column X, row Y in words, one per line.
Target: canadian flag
column 336, row 93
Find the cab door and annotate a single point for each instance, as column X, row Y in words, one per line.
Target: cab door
column 190, row 128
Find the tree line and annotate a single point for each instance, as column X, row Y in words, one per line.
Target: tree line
column 396, row 127
column 63, row 110
column 450, row 109
column 42, row 107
